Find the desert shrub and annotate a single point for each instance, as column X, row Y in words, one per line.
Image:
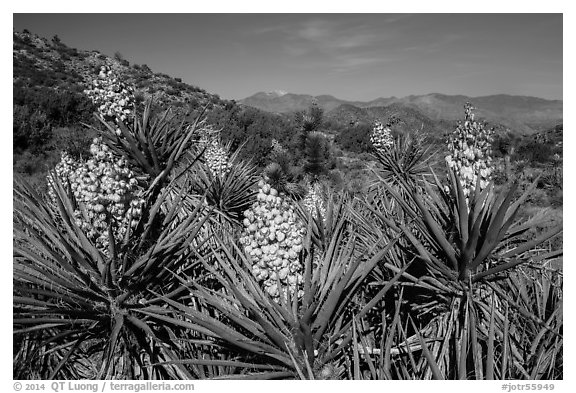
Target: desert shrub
column 120, row 58
column 252, row 129
column 32, row 128
column 22, row 40
column 316, row 155
column 40, row 114
column 355, row 139
column 535, row 152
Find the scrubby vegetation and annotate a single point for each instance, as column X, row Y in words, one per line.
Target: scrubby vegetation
column 224, row 242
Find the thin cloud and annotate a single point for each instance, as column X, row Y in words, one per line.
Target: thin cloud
column 434, row 44
column 357, row 63
column 335, row 34
column 333, row 44
column 394, row 18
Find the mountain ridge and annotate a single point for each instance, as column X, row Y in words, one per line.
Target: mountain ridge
column 523, row 114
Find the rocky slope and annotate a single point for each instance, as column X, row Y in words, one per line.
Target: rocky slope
column 38, row 61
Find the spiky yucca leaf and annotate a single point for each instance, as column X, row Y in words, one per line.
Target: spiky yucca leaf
column 283, row 178
column 75, row 297
column 154, row 144
column 537, row 320
column 468, row 239
column 407, row 160
column 232, row 193
column 296, row 337
column 465, row 245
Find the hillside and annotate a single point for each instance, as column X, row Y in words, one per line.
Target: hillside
column 289, row 102
column 522, row 115
column 38, row 62
column 51, row 109
column 410, row 118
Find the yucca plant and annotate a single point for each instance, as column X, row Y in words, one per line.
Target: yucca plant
column 537, row 293
column 470, row 239
column 285, row 178
column 465, row 247
column 402, row 159
column 290, row 336
column 77, row 302
column 230, row 193
column 82, row 300
column 522, row 340
column 153, row 143
column 406, row 159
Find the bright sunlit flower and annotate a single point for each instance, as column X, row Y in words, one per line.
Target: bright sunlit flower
column 114, row 98
column 272, row 240
column 381, row 137
column 470, row 152
column 106, row 190
column 314, row 202
column 215, row 155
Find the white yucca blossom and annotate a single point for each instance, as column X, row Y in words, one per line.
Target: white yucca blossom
column 470, row 148
column 114, row 98
column 272, row 239
column 63, row 170
column 381, row 137
column 314, row 202
column 217, row 159
column 216, row 155
column 277, row 148
column 107, row 193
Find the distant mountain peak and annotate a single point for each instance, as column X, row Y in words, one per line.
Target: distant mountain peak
column 515, row 112
column 275, row 93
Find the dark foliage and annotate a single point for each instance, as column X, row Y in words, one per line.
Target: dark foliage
column 252, row 128
column 536, row 152
column 38, row 110
column 308, row 122
column 355, row 139
column 317, row 155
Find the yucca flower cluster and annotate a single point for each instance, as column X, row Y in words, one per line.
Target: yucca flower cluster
column 470, row 148
column 114, row 98
column 313, row 201
column 63, row 170
column 217, row 159
column 216, row 156
column 273, row 237
column 381, row 137
column 277, row 148
column 107, row 192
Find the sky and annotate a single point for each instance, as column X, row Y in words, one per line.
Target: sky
column 349, row 56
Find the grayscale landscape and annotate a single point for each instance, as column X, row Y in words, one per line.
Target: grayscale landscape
column 287, row 196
